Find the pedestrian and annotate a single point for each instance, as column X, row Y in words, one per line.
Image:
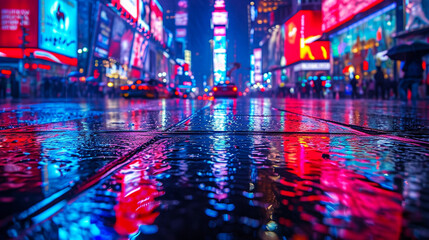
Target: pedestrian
column 371, row 88
column 318, row 86
column 394, row 87
column 379, row 83
column 354, row 83
column 413, row 75
column 3, row 84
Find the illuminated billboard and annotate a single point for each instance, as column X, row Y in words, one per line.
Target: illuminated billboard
column 301, row 34
column 219, row 59
column 144, row 10
column 156, row 23
column 58, row 26
column 140, row 49
column 10, row 15
column 416, row 14
column 104, row 28
column 121, row 41
column 130, row 6
column 337, row 12
column 220, row 18
column 219, row 31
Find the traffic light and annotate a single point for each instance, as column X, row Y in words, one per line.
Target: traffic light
column 25, row 33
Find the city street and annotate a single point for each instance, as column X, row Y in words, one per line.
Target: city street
column 246, row 168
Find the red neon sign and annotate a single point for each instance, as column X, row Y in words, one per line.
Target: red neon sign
column 10, row 22
column 337, row 12
column 301, row 41
column 38, row 54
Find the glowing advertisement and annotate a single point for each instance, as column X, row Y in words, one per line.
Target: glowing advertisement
column 219, row 58
column 121, row 41
column 156, row 21
column 257, row 54
column 140, row 49
column 302, row 32
column 337, row 12
column 220, row 18
column 144, row 10
column 58, row 26
column 130, row 6
column 219, row 31
column 416, row 14
column 11, row 13
column 104, row 28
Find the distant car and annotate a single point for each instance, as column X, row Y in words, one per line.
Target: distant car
column 150, row 88
column 131, row 90
column 225, row 90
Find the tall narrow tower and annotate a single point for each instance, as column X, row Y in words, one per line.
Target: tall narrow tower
column 219, row 26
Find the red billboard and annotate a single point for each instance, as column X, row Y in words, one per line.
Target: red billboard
column 139, row 53
column 337, row 12
column 301, row 43
column 11, row 13
column 156, row 24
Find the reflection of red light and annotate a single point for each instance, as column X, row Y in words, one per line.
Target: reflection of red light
column 240, row 94
column 96, row 73
column 133, row 87
column 139, row 82
column 125, row 88
column 34, row 66
column 176, row 93
column 140, row 87
column 424, row 65
column 262, row 89
column 6, row 72
column 215, row 89
column 185, row 96
column 200, row 98
column 27, row 66
column 365, row 66
column 205, row 98
column 44, row 66
column 227, row 82
column 235, row 89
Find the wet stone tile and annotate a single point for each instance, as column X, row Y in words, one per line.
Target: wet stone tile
column 256, row 187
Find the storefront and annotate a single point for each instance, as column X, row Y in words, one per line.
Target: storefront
column 415, row 27
column 361, row 46
column 306, row 55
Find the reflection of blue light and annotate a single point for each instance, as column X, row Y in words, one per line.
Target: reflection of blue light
column 315, row 78
column 310, row 78
column 148, row 229
column 328, row 85
column 323, row 78
column 211, row 213
column 303, row 84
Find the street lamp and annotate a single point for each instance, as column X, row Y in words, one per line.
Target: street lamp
column 79, row 51
column 85, row 49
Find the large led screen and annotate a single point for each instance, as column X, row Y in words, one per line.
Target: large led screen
column 301, row 34
column 140, row 49
column 156, row 24
column 121, row 41
column 104, row 28
column 11, row 13
column 58, row 26
column 337, row 12
column 130, row 6
column 416, row 14
column 220, row 18
column 144, row 10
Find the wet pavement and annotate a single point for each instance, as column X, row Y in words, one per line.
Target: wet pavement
column 226, row 169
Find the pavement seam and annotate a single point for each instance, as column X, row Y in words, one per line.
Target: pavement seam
column 27, row 217
column 363, row 130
